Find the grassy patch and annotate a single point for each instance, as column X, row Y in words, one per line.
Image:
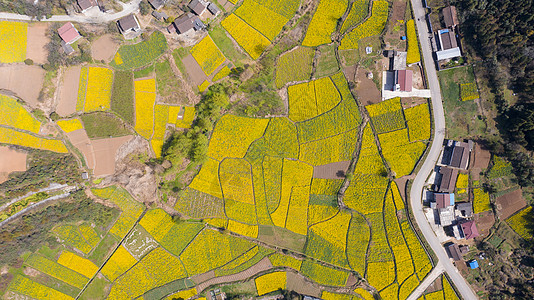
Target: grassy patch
column 104, row 125
column 327, row 61
column 168, row 84
column 178, row 54
column 101, row 251
column 140, row 54
column 225, row 44
column 461, row 117
column 282, row 237
column 122, row 97
column 146, row 72
column 95, row 289
column 349, row 57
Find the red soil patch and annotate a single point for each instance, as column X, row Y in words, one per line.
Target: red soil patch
column 104, row 48
column 25, row 81
column 68, row 93
column 11, row 161
column 509, row 204
column 37, row 41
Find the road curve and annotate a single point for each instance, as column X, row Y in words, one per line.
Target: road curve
column 91, row 17
column 439, row 135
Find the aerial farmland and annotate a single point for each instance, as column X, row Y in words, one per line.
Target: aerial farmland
column 211, row 150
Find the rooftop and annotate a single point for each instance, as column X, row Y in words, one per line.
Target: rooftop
column 444, row 200
column 448, row 54
column 473, row 264
column 68, row 33
column 460, row 155
column 465, row 208
column 156, row 4
column 448, row 39
column 453, row 251
column 86, row 4
column 449, row 16
column 197, row 7
column 214, row 10
column 128, row 22
column 405, row 80
column 448, row 179
column 469, row 229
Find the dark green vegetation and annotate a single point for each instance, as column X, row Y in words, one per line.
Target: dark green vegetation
column 104, row 125
column 32, row 231
column 43, row 168
column 500, row 33
column 122, row 97
column 58, row 58
column 462, row 117
column 37, row 9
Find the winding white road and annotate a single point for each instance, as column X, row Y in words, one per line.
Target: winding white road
column 92, row 16
column 443, row 263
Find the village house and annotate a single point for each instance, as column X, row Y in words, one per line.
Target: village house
column 128, row 24
column 465, row 209
column 197, row 6
column 453, row 251
column 185, row 24
column 156, row 4
column 68, row 33
column 449, row 16
column 448, row 179
column 448, row 46
column 213, row 9
column 469, row 230
column 85, row 5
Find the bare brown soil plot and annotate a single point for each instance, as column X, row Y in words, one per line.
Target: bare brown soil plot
column 68, row 93
column 484, row 222
column 335, row 170
column 80, row 140
column 11, row 161
column 301, row 285
column 482, row 157
column 37, row 41
column 105, row 151
column 194, row 70
column 367, row 91
column 510, row 203
column 412, row 101
column 104, row 48
column 25, row 81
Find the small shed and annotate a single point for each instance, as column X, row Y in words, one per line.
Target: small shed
column 197, row 7
column 156, row 4
column 449, row 16
column 68, row 33
column 454, row 251
column 473, row 264
column 67, row 48
column 87, row 4
column 128, row 23
column 213, row 9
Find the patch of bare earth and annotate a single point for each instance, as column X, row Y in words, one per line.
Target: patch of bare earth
column 11, row 161
column 302, row 285
column 80, row 140
column 408, row 102
column 367, row 91
column 37, row 41
column 510, row 203
column 104, row 48
column 24, row 81
column 68, row 91
column 194, row 70
column 484, row 221
column 335, row 170
column 105, row 151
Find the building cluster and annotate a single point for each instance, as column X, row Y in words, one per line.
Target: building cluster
column 191, row 21
column 445, row 42
column 397, row 78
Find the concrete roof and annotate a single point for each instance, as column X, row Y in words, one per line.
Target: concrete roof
column 447, row 54
column 86, row 4
column 454, row 251
column 448, row 40
column 197, row 7
column 444, row 200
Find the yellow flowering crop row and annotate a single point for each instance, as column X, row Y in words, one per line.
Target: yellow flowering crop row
column 240, row 211
column 89, row 234
column 186, row 294
column 418, row 120
column 272, row 177
column 380, row 274
column 16, row 116
column 321, row 186
column 319, row 213
column 155, row 269
column 413, row 44
column 78, row 264
column 401, row 155
column 500, row 167
column 481, row 201
column 294, row 65
column 397, row 198
column 236, row 180
column 144, row 113
column 324, row 22
column 519, row 223
column 223, row 142
column 99, row 82
column 366, row 193
column 326, row 94
column 25, row 286
column 247, row 256
column 408, row 286
column 13, row 41
column 207, row 180
column 448, row 291
column 469, row 91
column 358, row 12
column 71, row 236
column 281, row 260
column 204, row 86
column 82, row 88
column 332, row 149
column 243, row 229
column 161, row 117
column 157, row 222
column 374, row 25
column 225, row 71
column 245, row 35
column 307, row 100
column 333, row 296
column 324, row 275
column 379, row 249
column 462, row 182
column 145, row 85
column 294, row 173
column 281, row 137
column 70, row 125
column 297, row 213
column 420, row 259
column 358, row 238
column 270, row 282
column 438, row 295
column 174, row 111
column 57, row 271
column 266, row 21
column 208, row 56
column 210, row 250
column 187, row 119
column 364, row 294
column 390, row 292
column 118, row 263
column 334, row 230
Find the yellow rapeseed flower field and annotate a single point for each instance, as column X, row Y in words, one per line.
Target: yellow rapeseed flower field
column 70, row 125
column 10, row 136
column 418, row 120
column 324, row 22
column 380, row 274
column 78, row 264
column 281, row 260
column 364, row 293
column 98, row 95
column 297, row 214
column 374, row 25
column 519, row 223
column 208, row 56
column 207, row 180
column 236, row 180
column 266, row 21
column 53, row 269
column 243, row 229
column 13, row 41
column 16, row 116
column 185, row 294
column 118, row 263
column 187, row 119
column 89, row 234
column 270, row 282
column 481, row 201
column 335, row 229
column 157, row 222
column 413, row 43
column 35, row 290
column 246, row 36
column 145, row 97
